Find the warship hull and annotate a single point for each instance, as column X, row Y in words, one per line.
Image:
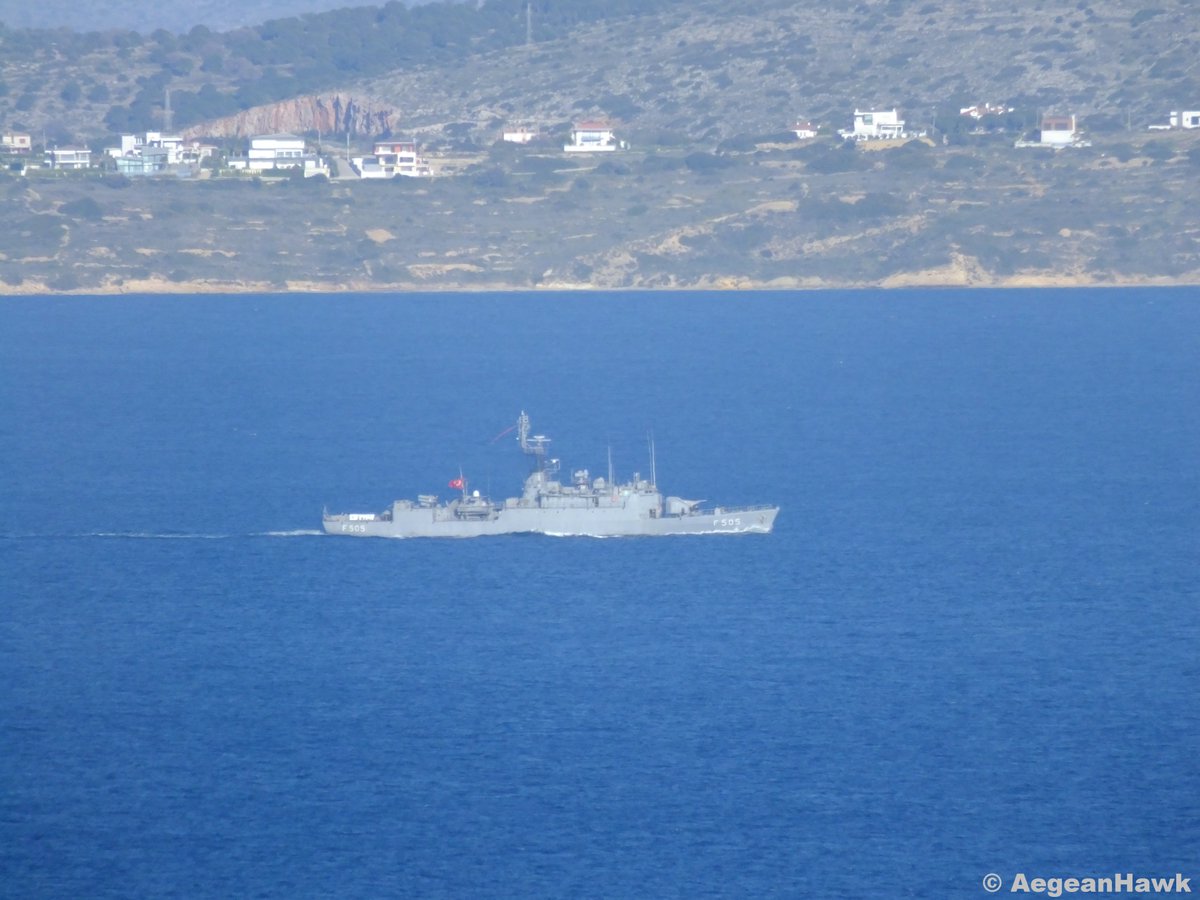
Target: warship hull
column 442, row 522
column 583, row 507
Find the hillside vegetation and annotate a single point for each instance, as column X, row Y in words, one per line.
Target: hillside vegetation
column 103, row 83
column 699, row 68
column 707, row 71
column 150, row 15
column 714, row 192
column 773, row 216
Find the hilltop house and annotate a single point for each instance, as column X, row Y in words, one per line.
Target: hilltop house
column 520, row 134
column 15, row 143
column 392, row 158
column 68, row 158
column 805, row 130
column 147, row 161
column 1186, row 119
column 591, row 137
column 155, row 152
column 1179, row 119
column 875, row 125
column 280, row 151
column 1058, row 131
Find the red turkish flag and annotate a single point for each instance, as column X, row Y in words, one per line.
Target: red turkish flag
column 457, row 484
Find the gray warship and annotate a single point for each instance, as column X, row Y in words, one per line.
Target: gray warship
column 584, row 507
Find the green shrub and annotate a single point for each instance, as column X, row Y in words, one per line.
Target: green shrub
column 910, row 157
column 842, row 159
column 964, row 163
column 83, row 208
column 491, row 178
column 739, row 143
column 706, row 162
column 655, row 164
column 1158, row 150
column 66, row 280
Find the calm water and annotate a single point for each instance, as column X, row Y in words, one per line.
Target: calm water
column 970, row 646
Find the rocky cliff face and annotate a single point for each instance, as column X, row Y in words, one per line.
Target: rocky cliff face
column 326, row 113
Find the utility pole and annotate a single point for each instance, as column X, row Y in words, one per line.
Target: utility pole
column 528, row 24
column 167, row 117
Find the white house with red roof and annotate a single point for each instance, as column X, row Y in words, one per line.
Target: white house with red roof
column 804, row 130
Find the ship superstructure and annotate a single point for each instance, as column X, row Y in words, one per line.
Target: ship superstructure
column 582, row 505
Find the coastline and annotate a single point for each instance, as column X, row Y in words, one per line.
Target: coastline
column 955, row 276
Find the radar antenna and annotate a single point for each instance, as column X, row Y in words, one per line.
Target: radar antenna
column 532, row 445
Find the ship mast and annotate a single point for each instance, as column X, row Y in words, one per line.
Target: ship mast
column 532, row 445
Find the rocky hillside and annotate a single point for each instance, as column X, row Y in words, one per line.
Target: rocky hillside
column 773, row 215
column 91, row 85
column 704, row 72
column 149, row 15
column 320, row 114
column 714, row 190
column 677, row 72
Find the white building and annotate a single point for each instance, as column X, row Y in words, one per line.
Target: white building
column 876, row 125
column 1058, row 131
column 69, row 158
column 152, row 152
column 591, row 137
column 275, row 151
column 979, row 110
column 147, row 161
column 15, row 143
column 280, row 151
column 392, row 158
column 1179, row 119
column 805, row 130
column 519, row 135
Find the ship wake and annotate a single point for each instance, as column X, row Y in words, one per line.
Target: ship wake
column 161, row 535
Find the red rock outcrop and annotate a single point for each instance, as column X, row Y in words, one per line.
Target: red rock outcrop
column 326, row 113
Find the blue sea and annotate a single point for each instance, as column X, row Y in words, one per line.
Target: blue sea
column 971, row 645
